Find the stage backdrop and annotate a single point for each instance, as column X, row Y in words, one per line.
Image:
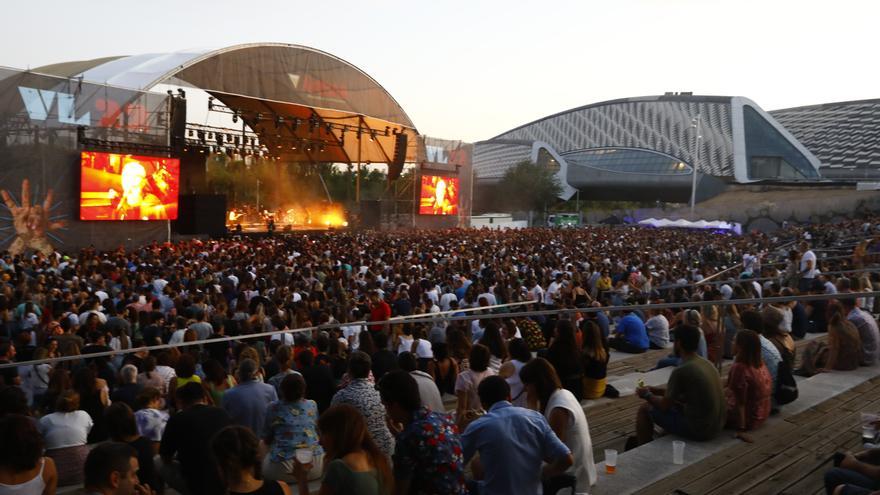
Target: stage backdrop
column 40, row 161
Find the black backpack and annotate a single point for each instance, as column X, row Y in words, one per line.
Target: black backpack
column 786, row 386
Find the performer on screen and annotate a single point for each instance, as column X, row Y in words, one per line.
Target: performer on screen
column 136, row 202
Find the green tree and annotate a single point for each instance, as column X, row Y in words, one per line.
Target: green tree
column 528, row 186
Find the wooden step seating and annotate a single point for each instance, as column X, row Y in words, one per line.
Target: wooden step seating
column 790, row 453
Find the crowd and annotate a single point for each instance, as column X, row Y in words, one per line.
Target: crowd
column 359, row 407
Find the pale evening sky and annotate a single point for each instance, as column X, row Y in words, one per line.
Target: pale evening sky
column 473, row 69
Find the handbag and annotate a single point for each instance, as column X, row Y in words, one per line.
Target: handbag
column 786, row 386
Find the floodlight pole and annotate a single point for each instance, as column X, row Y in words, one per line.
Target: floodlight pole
column 695, row 125
column 357, row 180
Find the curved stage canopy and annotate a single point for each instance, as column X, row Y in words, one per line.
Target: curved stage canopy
column 265, row 81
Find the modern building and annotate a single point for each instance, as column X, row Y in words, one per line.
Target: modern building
column 845, row 136
column 647, row 148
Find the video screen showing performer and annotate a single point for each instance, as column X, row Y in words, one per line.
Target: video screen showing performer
column 128, row 187
column 439, row 195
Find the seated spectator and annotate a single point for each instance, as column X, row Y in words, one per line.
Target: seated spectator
column 497, row 347
column 594, row 360
column 770, row 355
column 427, row 453
column 217, row 380
column 566, row 417
column 66, row 433
column 854, row 474
column 844, row 342
column 749, row 386
column 291, row 424
column 237, row 452
column 428, row 391
column 185, row 372
column 23, row 469
column 468, row 406
column 446, row 369
column 150, row 417
column 353, row 461
column 111, row 469
column 867, row 327
column 320, row 385
column 564, row 355
column 128, row 388
column 630, row 335
column 513, row 444
column 284, row 360
column 364, row 397
column 94, row 397
column 692, row 405
column 149, row 377
column 384, row 359
column 519, row 356
column 246, row 403
column 657, row 327
column 13, row 400
column 186, row 436
column 773, row 319
column 123, row 429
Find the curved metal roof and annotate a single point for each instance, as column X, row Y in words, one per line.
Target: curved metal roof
column 279, row 72
column 278, row 79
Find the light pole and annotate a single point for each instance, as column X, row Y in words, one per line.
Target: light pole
column 695, row 124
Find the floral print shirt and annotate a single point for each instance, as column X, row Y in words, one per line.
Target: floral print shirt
column 291, row 426
column 428, row 453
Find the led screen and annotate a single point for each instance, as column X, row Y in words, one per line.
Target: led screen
column 128, row 187
column 439, row 195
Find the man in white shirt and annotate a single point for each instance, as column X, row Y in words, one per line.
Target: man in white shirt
column 553, row 291
column 447, row 298
column 807, row 267
column 428, row 391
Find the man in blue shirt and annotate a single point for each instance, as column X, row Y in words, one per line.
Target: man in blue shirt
column 247, row 402
column 630, row 335
column 512, row 442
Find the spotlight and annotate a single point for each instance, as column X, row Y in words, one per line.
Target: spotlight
column 386, row 130
column 279, row 121
column 210, row 103
column 295, row 124
column 372, row 136
column 181, row 93
column 235, row 118
column 293, row 147
column 171, row 93
column 321, row 149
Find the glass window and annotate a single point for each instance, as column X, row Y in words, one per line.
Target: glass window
column 770, row 155
column 628, row 160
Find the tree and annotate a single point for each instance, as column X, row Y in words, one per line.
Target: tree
column 528, row 186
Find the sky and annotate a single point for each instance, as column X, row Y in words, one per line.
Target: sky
column 473, row 69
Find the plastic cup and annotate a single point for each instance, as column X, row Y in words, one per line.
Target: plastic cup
column 610, row 461
column 677, row 452
column 304, row 456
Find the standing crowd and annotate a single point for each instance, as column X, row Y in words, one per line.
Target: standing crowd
column 363, row 378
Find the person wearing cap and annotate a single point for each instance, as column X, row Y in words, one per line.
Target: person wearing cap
column 246, row 403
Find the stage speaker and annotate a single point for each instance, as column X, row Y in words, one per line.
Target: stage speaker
column 396, row 165
column 193, row 173
column 201, row 214
column 371, row 214
column 178, row 123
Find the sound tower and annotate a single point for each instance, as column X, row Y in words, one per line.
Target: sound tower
column 396, row 165
column 178, row 123
column 193, row 179
column 203, row 214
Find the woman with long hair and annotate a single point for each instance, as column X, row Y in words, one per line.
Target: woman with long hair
column 94, row 397
column 565, row 415
column 564, row 355
column 352, row 461
column 446, row 369
column 459, row 347
column 594, row 359
column 237, row 452
column 469, row 407
column 519, row 356
column 844, row 342
column 23, row 469
column 217, row 380
column 492, row 339
column 749, row 386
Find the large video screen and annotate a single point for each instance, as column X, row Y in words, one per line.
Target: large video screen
column 439, row 195
column 128, row 187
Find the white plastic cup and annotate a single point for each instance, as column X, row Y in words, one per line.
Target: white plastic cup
column 610, row 461
column 677, row 452
column 304, row 456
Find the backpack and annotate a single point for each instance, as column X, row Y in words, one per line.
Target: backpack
column 815, row 357
column 786, row 388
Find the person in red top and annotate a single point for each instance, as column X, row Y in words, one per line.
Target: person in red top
column 379, row 311
column 749, row 386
